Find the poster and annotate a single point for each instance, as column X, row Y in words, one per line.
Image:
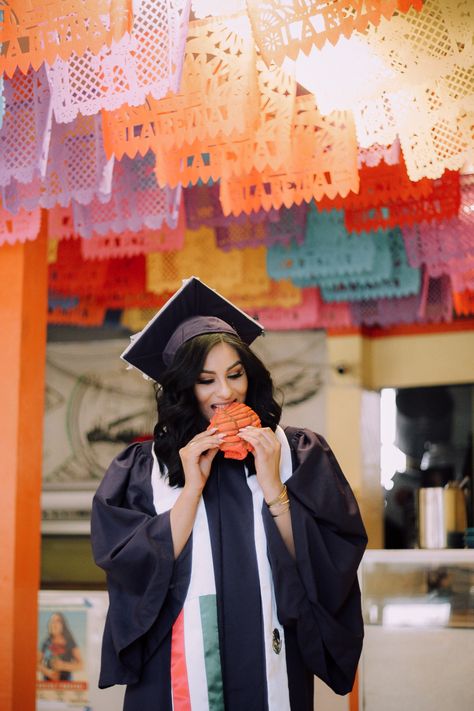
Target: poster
column 85, row 614
column 62, row 663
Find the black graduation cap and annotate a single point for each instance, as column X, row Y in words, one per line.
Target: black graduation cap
column 193, row 310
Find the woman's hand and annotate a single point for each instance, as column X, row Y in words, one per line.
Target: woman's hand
column 196, row 457
column 267, row 451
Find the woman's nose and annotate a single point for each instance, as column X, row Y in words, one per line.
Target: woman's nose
column 223, row 388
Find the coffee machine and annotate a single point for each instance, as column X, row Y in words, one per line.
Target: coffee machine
column 424, row 421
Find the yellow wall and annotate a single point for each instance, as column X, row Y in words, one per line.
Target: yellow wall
column 429, row 359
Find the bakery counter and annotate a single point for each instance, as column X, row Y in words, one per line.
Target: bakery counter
column 418, row 610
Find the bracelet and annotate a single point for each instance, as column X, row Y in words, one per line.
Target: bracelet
column 285, row 510
column 281, row 498
column 277, row 506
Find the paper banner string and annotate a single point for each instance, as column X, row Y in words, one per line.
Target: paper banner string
column 464, row 302
column 92, row 310
column 217, row 96
column 26, row 130
column 419, row 89
column 241, row 273
column 334, row 315
column 328, row 251
column 373, row 155
column 117, row 245
column 303, row 315
column 33, row 32
column 434, row 304
column 60, row 224
column 75, row 168
column 380, row 185
column 265, row 145
column 130, row 244
column 112, row 282
column 441, row 203
column 136, row 202
column 322, row 162
column 445, row 247
column 290, row 224
column 203, row 207
column 345, row 266
column 461, row 272
column 313, row 312
column 280, row 295
column 75, row 312
column 286, row 29
column 146, row 61
column 399, row 54
column 71, row 275
column 19, row 228
column 434, row 123
column 402, row 280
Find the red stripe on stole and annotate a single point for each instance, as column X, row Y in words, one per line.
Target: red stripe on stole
column 179, row 673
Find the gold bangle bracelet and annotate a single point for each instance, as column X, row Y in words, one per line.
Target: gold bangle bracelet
column 281, row 496
column 280, row 513
column 280, row 503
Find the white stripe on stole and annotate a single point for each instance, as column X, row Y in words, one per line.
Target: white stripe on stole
column 277, row 678
column 201, row 582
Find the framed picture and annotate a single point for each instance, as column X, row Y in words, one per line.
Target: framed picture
column 94, row 409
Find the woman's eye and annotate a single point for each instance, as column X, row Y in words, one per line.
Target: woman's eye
column 205, row 381
column 236, row 375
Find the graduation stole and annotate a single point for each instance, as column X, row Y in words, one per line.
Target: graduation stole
column 196, row 675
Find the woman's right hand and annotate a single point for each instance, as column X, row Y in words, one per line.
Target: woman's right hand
column 196, row 457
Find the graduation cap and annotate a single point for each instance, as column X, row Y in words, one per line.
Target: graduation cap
column 193, row 310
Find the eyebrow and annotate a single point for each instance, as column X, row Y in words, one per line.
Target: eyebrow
column 212, row 372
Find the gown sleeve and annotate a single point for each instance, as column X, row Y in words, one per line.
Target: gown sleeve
column 133, row 545
column 318, row 595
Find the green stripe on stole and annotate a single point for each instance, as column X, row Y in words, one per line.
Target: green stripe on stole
column 212, row 661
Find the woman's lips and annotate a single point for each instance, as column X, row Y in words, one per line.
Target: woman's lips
column 222, row 406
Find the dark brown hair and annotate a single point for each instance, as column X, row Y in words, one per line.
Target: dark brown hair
column 179, row 416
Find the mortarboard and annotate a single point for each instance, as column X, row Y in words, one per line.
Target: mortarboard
column 193, row 310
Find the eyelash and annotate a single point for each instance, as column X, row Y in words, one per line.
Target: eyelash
column 232, row 376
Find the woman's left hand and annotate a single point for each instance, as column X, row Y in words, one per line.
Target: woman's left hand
column 267, row 451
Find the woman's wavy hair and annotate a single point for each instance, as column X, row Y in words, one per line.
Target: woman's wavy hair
column 179, row 416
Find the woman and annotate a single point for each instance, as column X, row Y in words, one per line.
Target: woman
column 59, row 655
column 231, row 583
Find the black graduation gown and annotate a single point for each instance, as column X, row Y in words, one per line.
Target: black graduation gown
column 318, row 596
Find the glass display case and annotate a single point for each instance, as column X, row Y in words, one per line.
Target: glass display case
column 418, row 608
column 421, row 588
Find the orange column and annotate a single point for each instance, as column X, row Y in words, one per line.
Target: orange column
column 354, row 695
column 23, row 311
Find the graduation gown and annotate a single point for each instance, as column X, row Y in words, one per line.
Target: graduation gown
column 317, row 595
